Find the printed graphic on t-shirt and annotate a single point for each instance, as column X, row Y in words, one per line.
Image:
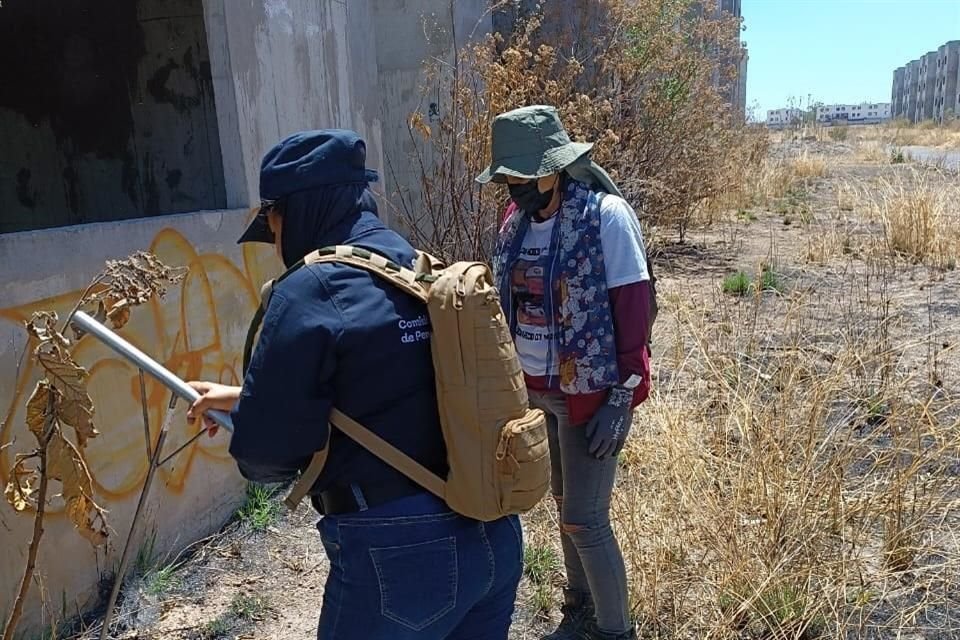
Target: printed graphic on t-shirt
column 528, row 293
column 528, row 287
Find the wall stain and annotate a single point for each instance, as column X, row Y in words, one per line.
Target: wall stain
column 26, row 195
column 157, row 84
column 173, row 178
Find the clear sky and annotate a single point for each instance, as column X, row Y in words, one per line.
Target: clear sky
column 837, row 51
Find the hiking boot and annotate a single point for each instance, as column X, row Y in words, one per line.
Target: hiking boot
column 592, row 632
column 577, row 614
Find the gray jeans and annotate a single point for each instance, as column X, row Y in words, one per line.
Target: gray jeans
column 581, row 486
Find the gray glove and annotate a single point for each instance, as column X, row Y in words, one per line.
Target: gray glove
column 608, row 429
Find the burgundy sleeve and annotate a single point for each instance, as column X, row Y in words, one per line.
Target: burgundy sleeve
column 631, row 322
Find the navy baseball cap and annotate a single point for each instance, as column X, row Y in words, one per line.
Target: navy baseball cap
column 303, row 161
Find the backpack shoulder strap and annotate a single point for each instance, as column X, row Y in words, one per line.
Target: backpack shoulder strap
column 412, row 282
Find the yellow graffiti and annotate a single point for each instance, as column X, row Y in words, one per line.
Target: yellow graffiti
column 197, row 331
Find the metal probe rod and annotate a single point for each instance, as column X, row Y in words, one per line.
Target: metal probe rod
column 89, row 325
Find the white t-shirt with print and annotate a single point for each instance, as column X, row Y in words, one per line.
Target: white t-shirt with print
column 623, row 255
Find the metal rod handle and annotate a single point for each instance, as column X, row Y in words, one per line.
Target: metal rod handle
column 184, row 391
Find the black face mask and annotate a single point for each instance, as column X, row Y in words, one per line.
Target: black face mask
column 529, row 198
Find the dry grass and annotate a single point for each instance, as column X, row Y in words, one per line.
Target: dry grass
column 791, row 479
column 900, row 133
column 872, row 151
column 775, row 178
column 807, row 166
column 920, row 216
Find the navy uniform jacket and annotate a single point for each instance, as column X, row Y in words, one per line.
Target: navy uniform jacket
column 338, row 336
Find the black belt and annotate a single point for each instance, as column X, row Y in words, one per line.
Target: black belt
column 341, row 500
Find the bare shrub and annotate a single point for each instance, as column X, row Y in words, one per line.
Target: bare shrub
column 644, row 89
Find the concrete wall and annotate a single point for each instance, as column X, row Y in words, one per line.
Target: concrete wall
column 197, row 331
column 281, row 66
column 408, row 33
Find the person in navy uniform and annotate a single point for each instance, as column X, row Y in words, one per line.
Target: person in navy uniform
column 402, row 564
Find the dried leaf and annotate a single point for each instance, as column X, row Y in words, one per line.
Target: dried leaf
column 64, row 463
column 39, row 404
column 101, row 314
column 20, row 486
column 43, row 327
column 131, row 282
column 417, row 123
column 75, row 408
column 118, row 311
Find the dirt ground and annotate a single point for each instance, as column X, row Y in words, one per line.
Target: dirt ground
column 268, row 583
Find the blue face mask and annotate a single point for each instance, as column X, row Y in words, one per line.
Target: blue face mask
column 529, row 198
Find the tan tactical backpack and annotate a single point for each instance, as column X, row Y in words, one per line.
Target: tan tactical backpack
column 497, row 449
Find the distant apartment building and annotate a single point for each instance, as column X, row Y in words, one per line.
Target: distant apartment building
column 897, row 93
column 735, row 91
column 928, row 88
column 863, row 113
column 778, row 118
column 945, row 91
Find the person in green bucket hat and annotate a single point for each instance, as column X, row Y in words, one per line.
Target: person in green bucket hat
column 574, row 281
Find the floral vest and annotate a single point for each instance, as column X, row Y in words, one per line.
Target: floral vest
column 577, row 291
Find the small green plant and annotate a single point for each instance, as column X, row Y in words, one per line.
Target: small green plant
column 146, row 559
column 540, row 563
column 745, row 215
column 219, row 627
column 784, row 611
column 770, row 281
column 775, row 612
column 247, row 607
column 897, row 156
column 260, row 510
column 878, row 410
column 737, row 284
column 162, row 580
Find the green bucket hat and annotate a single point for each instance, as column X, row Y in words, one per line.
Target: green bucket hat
column 531, row 142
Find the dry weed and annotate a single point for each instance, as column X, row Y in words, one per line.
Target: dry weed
column 776, row 178
column 920, row 215
column 872, row 151
column 807, row 166
column 791, row 480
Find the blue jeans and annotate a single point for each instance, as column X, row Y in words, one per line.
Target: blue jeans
column 412, row 568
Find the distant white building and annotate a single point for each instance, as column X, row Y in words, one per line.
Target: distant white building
column 863, row 113
column 783, row 117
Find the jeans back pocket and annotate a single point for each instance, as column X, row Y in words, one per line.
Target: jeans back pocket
column 418, row 582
